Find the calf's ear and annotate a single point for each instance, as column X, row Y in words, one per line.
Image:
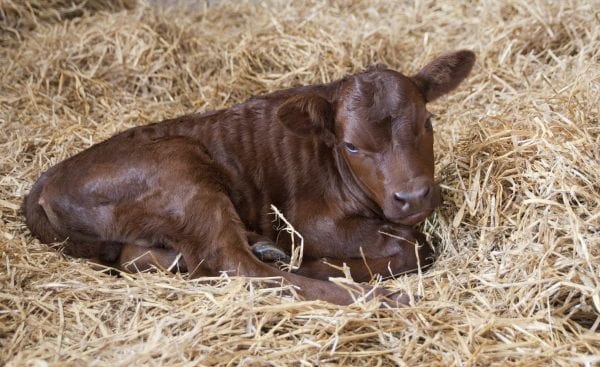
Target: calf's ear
column 306, row 114
column 444, row 74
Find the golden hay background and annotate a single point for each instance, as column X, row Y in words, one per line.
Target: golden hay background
column 518, row 146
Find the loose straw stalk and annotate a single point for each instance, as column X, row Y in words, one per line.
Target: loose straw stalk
column 297, row 252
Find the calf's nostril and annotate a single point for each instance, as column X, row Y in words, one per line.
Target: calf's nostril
column 403, row 200
column 400, row 196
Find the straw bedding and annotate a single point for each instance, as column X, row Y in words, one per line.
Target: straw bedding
column 518, row 153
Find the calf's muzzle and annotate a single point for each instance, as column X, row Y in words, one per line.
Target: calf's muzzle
column 416, row 201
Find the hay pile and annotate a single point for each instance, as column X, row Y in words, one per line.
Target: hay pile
column 518, row 145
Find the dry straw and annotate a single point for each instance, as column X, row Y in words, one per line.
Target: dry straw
column 518, row 274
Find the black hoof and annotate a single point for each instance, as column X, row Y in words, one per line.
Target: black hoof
column 269, row 252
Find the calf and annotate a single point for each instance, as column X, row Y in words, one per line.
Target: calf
column 349, row 163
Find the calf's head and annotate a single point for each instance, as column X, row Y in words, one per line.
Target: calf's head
column 378, row 122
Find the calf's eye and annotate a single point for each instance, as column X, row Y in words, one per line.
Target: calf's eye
column 351, row 148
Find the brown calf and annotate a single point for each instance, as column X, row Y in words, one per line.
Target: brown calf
column 343, row 161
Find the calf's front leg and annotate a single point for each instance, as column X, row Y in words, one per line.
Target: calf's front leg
column 384, row 250
column 409, row 259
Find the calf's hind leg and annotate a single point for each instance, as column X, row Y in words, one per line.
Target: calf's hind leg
column 222, row 246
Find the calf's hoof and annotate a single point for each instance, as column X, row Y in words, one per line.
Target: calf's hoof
column 269, row 252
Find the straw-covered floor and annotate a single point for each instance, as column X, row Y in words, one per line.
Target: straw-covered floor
column 518, row 153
